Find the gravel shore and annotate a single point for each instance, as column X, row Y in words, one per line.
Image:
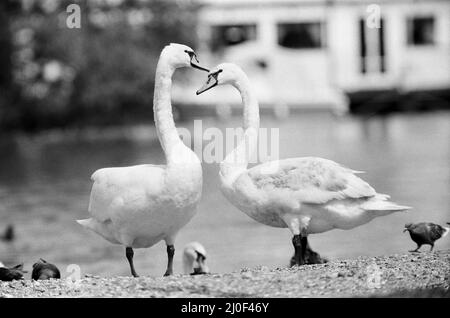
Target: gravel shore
column 414, row 274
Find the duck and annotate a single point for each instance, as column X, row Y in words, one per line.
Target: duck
column 43, row 270
column 425, row 233
column 12, row 273
column 194, row 259
column 139, row 206
column 307, row 195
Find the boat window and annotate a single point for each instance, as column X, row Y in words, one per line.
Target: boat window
column 372, row 47
column 226, row 35
column 300, row 35
column 420, row 31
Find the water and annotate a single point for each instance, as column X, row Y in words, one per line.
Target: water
column 45, row 185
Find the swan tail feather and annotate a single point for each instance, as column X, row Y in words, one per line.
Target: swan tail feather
column 101, row 228
column 381, row 204
column 87, row 223
column 382, row 197
column 446, row 231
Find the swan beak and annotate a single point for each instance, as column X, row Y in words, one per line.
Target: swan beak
column 194, row 63
column 210, row 83
column 405, row 230
column 201, row 267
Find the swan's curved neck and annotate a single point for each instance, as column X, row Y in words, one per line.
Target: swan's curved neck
column 162, row 108
column 251, row 106
column 237, row 160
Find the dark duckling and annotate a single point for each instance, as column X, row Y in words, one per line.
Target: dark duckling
column 425, row 233
column 43, row 270
column 13, row 273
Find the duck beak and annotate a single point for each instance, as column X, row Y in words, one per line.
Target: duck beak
column 194, row 63
column 210, row 83
column 404, row 230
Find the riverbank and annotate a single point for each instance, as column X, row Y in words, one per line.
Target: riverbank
column 414, row 274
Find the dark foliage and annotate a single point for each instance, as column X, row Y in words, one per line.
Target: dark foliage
column 99, row 74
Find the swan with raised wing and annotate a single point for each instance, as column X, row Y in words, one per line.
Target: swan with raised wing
column 308, row 195
column 138, row 206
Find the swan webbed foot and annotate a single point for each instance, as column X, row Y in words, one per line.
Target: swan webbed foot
column 170, row 254
column 303, row 247
column 310, row 257
column 313, row 257
column 129, row 254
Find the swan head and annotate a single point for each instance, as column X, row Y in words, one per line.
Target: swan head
column 194, row 259
column 180, row 55
column 222, row 74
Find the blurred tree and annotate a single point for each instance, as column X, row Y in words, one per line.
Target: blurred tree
column 5, row 48
column 6, row 68
column 99, row 74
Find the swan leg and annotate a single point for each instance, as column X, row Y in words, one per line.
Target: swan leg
column 417, row 249
column 298, row 257
column 130, row 253
column 432, row 246
column 303, row 225
column 304, row 243
column 170, row 254
column 298, row 226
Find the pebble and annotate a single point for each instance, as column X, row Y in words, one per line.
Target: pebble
column 338, row 278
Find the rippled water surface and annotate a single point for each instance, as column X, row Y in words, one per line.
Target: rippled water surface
column 45, row 186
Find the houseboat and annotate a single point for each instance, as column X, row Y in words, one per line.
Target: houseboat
column 324, row 54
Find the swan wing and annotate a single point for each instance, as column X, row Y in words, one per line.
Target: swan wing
column 310, row 180
column 113, row 187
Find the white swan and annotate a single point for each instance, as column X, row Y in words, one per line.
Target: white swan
column 194, row 259
column 307, row 195
column 139, row 206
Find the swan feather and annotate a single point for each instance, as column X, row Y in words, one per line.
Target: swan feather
column 312, row 180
